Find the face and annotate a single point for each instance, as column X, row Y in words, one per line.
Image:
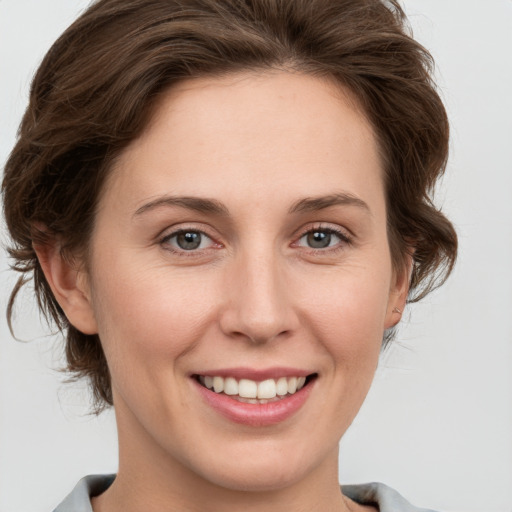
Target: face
column 240, row 245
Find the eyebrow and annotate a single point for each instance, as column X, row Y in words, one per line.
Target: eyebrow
column 212, row 206
column 310, row 204
column 198, row 204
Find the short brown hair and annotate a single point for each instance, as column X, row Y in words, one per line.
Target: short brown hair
column 93, row 93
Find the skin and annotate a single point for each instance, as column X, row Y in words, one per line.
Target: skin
column 254, row 294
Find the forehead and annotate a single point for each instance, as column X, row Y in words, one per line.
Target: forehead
column 251, row 131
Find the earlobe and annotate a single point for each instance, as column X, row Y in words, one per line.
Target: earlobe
column 69, row 285
column 399, row 293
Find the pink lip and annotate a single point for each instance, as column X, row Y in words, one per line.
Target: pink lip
column 255, row 415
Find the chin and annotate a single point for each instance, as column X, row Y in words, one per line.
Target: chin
column 267, row 470
column 257, row 478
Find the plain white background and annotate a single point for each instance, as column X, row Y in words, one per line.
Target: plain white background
column 437, row 424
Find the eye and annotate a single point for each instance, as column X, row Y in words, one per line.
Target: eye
column 322, row 238
column 318, row 239
column 187, row 240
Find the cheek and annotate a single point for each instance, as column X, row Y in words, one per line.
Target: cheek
column 348, row 317
column 151, row 317
column 351, row 332
column 348, row 306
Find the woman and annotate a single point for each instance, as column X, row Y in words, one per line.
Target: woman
column 225, row 207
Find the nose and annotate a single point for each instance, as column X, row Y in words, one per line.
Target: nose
column 258, row 306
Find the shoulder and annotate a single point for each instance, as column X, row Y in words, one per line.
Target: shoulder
column 79, row 499
column 387, row 499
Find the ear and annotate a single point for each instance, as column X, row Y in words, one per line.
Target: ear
column 69, row 284
column 399, row 292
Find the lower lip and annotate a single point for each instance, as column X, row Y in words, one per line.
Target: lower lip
column 255, row 415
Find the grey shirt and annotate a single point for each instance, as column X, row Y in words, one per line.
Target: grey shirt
column 387, row 499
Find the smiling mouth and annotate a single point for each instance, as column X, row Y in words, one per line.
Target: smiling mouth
column 255, row 392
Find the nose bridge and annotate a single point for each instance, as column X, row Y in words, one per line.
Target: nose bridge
column 259, row 306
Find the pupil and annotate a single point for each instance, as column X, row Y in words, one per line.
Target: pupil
column 319, row 240
column 188, row 240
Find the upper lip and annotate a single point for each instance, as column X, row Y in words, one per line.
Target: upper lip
column 255, row 374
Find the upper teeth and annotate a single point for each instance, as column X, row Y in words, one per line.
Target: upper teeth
column 248, row 388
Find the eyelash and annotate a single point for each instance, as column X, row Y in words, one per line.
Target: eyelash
column 165, row 242
column 344, row 240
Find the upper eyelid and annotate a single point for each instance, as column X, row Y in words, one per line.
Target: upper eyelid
column 177, row 232
column 321, row 226
column 170, row 231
